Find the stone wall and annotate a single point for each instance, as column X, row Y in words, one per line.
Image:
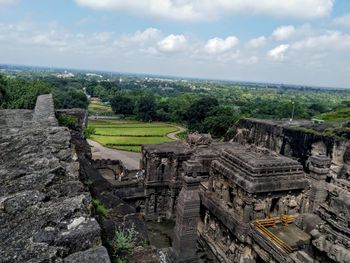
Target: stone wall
column 44, row 208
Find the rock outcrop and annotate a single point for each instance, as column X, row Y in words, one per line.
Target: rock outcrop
column 44, row 208
column 298, row 140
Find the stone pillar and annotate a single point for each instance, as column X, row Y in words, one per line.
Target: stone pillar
column 319, row 171
column 185, row 240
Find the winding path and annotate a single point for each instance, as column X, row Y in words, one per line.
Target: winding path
column 172, row 135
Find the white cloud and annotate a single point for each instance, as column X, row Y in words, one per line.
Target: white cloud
column 283, row 32
column 193, row 10
column 257, row 42
column 342, row 20
column 313, row 56
column 219, row 45
column 142, row 38
column 148, row 34
column 278, row 53
column 173, row 43
column 330, row 40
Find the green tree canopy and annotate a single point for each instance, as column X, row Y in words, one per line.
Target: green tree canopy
column 146, row 107
column 122, row 104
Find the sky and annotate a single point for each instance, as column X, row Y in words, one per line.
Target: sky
column 303, row 42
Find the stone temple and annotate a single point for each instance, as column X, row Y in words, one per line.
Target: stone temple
column 246, row 203
column 240, row 202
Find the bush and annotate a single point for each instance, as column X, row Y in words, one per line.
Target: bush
column 68, row 121
column 123, row 242
column 88, row 132
column 100, row 208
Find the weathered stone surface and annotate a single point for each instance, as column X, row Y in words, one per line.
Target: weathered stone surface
column 93, row 255
column 294, row 140
column 245, row 187
column 144, row 255
column 44, row 208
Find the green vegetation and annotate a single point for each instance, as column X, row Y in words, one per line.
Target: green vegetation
column 100, row 208
column 88, row 132
column 182, row 135
column 21, row 93
column 201, row 105
column 129, row 135
column 213, row 107
column 67, row 120
column 96, row 107
column 339, row 132
column 123, row 242
column 16, row 93
column 338, row 115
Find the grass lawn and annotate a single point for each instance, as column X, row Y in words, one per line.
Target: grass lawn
column 129, row 135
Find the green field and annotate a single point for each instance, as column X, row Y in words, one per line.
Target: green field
column 96, row 107
column 129, row 135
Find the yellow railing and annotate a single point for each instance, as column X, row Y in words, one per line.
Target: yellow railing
column 287, row 219
column 271, row 222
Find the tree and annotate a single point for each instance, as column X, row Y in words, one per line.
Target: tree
column 69, row 97
column 22, row 93
column 3, row 85
column 122, row 104
column 179, row 105
column 219, row 120
column 146, row 107
column 198, row 111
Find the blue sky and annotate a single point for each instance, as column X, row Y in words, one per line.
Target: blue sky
column 294, row 41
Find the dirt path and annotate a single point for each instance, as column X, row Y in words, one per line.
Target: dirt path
column 131, row 160
column 172, row 135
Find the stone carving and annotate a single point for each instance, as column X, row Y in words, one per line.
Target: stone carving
column 243, row 184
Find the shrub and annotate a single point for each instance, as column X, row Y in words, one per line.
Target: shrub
column 123, row 242
column 100, row 208
column 88, row 132
column 68, row 121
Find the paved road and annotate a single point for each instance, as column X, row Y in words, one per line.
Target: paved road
column 131, row 160
column 172, row 135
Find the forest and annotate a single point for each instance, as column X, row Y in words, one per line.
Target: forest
column 215, row 107
column 204, row 106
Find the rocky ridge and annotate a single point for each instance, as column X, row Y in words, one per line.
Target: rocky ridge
column 44, row 208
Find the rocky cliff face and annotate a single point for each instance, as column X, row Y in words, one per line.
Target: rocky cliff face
column 296, row 141
column 44, row 208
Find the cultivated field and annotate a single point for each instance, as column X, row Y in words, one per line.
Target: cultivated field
column 129, row 135
column 96, row 107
